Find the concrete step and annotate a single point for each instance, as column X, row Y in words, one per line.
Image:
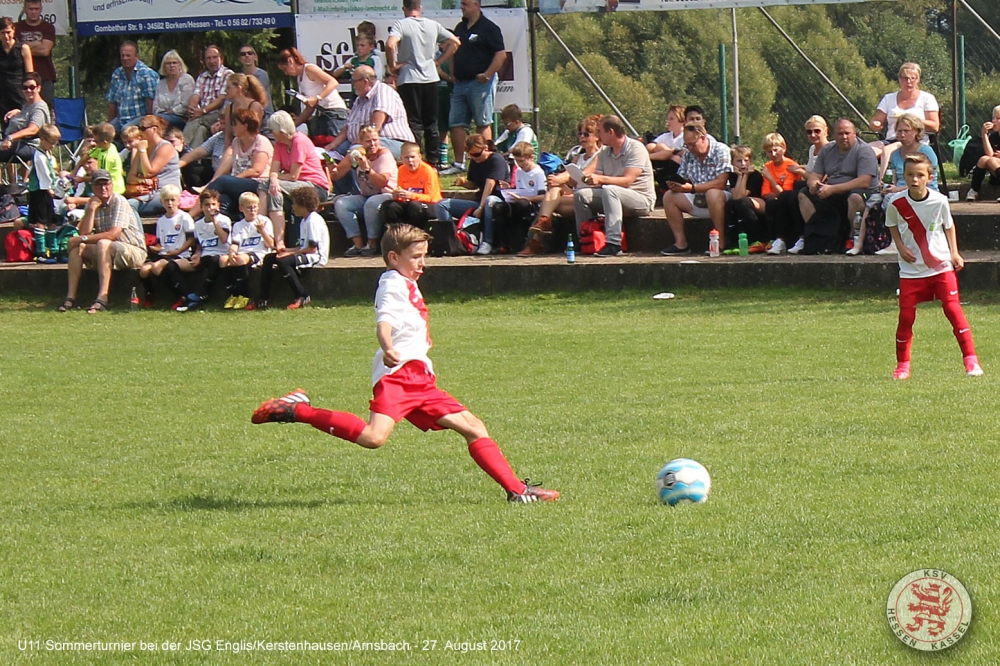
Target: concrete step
column 355, row 280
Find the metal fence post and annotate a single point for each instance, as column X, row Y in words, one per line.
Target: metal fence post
column 723, row 95
column 961, row 81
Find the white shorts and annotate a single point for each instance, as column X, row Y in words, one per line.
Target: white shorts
column 699, row 211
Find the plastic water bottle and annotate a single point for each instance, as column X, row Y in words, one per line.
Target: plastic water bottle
column 713, row 243
column 133, row 300
column 744, row 245
column 857, row 228
column 570, row 251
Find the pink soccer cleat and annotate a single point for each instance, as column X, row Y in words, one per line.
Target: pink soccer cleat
column 902, row 370
column 972, row 367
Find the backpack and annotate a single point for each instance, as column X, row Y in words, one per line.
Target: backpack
column 19, row 246
column 444, row 240
column 551, row 163
column 877, row 236
column 593, row 238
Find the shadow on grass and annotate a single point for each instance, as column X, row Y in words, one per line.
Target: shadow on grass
column 232, row 504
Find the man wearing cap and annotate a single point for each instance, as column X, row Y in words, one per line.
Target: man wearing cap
column 111, row 238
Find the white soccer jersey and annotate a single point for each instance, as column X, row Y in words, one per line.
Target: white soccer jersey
column 248, row 239
column 172, row 232
column 526, row 183
column 921, row 226
column 399, row 302
column 208, row 239
column 313, row 228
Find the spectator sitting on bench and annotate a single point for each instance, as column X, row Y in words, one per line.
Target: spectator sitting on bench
column 417, row 189
column 516, row 130
column 783, row 215
column 746, row 206
column 843, row 175
column 561, row 186
column 666, row 149
column 700, row 188
column 989, row 163
column 110, row 238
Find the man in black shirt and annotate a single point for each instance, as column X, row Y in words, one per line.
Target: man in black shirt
column 474, row 69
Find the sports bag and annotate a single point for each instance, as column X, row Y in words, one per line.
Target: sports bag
column 19, row 246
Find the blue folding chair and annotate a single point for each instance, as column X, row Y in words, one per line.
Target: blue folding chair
column 71, row 118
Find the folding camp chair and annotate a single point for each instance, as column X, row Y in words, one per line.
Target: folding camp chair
column 71, row 117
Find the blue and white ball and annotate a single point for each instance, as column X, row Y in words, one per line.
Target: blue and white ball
column 682, row 480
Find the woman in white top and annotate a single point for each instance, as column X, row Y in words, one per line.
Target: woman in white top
column 173, row 90
column 323, row 107
column 559, row 195
column 908, row 99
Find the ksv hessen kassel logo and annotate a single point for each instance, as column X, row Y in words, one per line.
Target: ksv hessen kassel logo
column 929, row 609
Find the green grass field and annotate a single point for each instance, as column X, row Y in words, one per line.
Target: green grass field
column 138, row 503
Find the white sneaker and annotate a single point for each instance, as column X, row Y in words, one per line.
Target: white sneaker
column 484, row 248
column 800, row 245
column 971, row 195
column 888, row 250
column 777, row 247
column 856, row 247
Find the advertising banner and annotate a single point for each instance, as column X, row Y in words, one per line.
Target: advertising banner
column 561, row 6
column 111, row 17
column 327, row 41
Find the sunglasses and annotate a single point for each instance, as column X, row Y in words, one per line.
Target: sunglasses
column 479, row 154
column 143, row 128
column 29, row 88
column 583, row 134
column 814, row 131
column 247, row 53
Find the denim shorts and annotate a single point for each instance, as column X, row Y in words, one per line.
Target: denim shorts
column 472, row 101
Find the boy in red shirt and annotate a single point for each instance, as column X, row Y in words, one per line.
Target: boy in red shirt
column 922, row 227
column 403, row 381
column 417, row 189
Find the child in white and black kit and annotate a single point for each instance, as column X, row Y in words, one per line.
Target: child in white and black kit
column 513, row 216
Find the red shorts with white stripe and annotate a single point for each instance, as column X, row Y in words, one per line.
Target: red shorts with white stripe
column 411, row 393
column 943, row 286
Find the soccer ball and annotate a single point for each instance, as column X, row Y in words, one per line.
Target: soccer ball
column 683, row 479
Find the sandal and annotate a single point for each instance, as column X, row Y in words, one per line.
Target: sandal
column 98, row 306
column 67, row 305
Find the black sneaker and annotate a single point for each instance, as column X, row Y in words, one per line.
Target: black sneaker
column 533, row 492
column 610, row 250
column 674, row 251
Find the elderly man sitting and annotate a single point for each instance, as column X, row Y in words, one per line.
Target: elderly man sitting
column 621, row 184
column 700, row 186
column 111, row 238
column 837, row 184
column 377, row 104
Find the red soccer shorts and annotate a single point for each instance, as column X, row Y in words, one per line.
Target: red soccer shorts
column 411, row 393
column 944, row 286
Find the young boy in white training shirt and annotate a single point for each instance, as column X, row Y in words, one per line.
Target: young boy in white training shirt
column 922, row 227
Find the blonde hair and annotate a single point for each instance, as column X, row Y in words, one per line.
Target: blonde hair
column 50, row 133
column 910, row 67
column 248, row 198
column 170, row 192
column 130, row 133
column 522, row 149
column 367, row 129
column 398, row 237
column 914, row 123
column 817, row 120
column 172, row 55
column 774, row 139
column 745, row 151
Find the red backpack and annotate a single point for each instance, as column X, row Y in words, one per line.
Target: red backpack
column 19, row 246
column 592, row 237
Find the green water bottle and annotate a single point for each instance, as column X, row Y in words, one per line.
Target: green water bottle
column 744, row 245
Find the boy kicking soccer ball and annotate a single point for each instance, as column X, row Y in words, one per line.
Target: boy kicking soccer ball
column 403, row 376
column 921, row 226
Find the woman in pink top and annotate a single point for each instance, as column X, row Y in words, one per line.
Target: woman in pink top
column 295, row 164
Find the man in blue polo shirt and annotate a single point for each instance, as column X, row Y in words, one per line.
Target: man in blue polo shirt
column 474, row 68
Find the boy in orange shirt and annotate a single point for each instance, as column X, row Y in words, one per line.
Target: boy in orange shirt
column 777, row 179
column 417, row 189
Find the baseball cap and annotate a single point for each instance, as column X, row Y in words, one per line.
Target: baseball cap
column 99, row 175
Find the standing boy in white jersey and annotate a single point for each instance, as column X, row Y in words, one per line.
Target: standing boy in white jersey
column 174, row 240
column 403, row 376
column 922, row 228
column 211, row 233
